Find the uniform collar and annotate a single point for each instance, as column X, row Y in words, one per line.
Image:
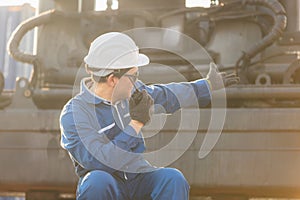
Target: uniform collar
column 88, row 95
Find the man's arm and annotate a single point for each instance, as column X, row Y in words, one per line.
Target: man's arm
column 174, row 96
column 92, row 150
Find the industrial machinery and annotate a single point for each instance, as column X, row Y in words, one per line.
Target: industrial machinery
column 258, row 152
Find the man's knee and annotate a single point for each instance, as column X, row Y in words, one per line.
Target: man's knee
column 175, row 176
column 98, row 179
column 97, row 184
column 172, row 185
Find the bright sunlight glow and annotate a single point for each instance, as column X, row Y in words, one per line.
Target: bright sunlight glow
column 33, row 3
column 99, row 4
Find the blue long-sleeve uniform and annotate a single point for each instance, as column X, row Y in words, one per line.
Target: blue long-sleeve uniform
column 107, row 152
column 98, row 136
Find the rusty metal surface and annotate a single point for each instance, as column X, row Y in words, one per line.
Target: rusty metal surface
column 264, row 156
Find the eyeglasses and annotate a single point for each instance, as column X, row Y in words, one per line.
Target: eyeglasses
column 133, row 77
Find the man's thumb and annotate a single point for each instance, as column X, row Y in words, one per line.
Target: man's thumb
column 213, row 66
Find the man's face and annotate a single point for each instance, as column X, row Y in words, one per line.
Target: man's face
column 123, row 88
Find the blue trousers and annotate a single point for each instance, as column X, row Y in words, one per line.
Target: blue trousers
column 161, row 184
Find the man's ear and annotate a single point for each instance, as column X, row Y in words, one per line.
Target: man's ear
column 112, row 80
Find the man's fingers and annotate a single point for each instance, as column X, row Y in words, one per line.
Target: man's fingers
column 223, row 74
column 232, row 81
column 220, row 79
column 231, row 75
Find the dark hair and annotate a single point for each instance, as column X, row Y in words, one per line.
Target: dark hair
column 117, row 73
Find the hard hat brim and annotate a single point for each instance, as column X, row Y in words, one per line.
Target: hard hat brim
column 142, row 61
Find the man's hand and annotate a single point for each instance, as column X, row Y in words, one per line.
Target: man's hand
column 219, row 80
column 140, row 109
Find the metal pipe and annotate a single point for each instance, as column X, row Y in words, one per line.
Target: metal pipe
column 55, row 93
column 291, row 92
column 241, row 92
column 52, row 98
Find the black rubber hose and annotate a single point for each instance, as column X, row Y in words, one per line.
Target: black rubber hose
column 20, row 31
column 4, row 99
column 1, row 82
column 280, row 23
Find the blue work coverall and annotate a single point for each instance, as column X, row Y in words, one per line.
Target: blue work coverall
column 107, row 152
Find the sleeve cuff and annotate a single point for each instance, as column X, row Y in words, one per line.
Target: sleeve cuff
column 203, row 90
column 209, row 83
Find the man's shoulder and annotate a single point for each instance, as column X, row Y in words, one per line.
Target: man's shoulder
column 74, row 103
column 71, row 109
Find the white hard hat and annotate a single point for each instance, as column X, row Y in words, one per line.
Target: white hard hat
column 112, row 51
